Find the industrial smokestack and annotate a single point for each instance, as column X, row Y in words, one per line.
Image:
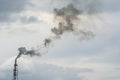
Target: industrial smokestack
column 22, row 51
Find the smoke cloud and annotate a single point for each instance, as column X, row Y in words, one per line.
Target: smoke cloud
column 23, row 51
column 68, row 19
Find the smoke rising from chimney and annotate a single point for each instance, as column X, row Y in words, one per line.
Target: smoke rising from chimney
column 23, row 51
column 67, row 20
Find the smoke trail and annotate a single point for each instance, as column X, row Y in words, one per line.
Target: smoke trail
column 47, row 42
column 68, row 16
column 66, row 19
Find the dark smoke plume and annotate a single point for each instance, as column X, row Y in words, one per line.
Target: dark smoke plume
column 47, row 42
column 68, row 16
column 66, row 19
column 23, row 51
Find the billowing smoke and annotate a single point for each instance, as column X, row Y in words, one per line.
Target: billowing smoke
column 23, row 51
column 68, row 15
column 68, row 20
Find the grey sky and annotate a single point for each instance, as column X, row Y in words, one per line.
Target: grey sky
column 28, row 22
column 8, row 8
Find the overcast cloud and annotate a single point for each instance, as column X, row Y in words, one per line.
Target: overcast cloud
column 28, row 22
column 10, row 8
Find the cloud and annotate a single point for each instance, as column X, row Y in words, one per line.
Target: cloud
column 54, row 72
column 9, row 8
column 32, row 70
column 30, row 19
column 111, row 6
column 102, row 50
column 105, row 6
column 49, row 5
